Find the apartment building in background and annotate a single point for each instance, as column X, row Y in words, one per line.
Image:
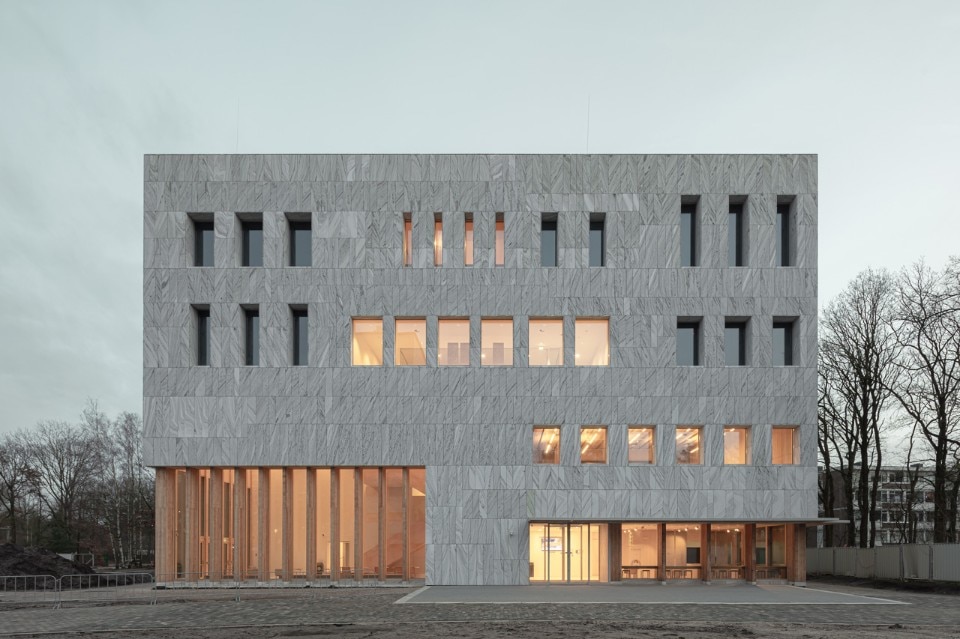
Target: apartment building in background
column 481, row 369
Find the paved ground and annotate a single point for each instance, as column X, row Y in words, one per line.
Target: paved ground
column 855, row 613
column 725, row 594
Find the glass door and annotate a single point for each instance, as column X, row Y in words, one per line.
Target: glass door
column 565, row 553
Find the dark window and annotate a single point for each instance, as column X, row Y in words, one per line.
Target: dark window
column 252, row 243
column 300, row 243
column 203, row 336
column 735, row 235
column 735, row 343
column 596, row 243
column 252, row 337
column 300, row 337
column 783, row 235
column 548, row 242
column 688, row 235
column 202, row 243
column 783, row 343
column 688, row 343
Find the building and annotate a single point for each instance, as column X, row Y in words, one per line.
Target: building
column 481, row 369
column 904, row 512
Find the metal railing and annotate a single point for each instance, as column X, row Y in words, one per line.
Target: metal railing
column 108, row 587
column 30, row 590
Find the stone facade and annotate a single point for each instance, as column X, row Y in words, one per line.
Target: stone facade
column 471, row 426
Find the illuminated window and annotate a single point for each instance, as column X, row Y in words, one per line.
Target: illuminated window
column 592, row 342
column 546, row 445
column 783, row 445
column 411, row 342
column 735, row 444
column 407, row 240
column 496, row 342
column 546, row 342
column 593, row 445
column 682, row 552
column 453, row 342
column 498, row 241
column 367, row 342
column 438, row 240
column 640, row 445
column 688, row 445
column 468, row 239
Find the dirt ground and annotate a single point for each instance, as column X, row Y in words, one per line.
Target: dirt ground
column 549, row 630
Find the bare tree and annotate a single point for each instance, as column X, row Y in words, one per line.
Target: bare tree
column 17, row 477
column 857, row 354
column 927, row 326
column 63, row 457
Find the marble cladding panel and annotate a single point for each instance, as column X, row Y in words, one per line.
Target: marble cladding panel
column 472, row 426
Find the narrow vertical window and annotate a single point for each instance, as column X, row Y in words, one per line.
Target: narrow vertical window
column 301, row 337
column 496, row 342
column 688, row 343
column 300, row 243
column 468, row 239
column 593, row 445
column 688, row 445
column 735, row 235
column 734, row 343
column 410, row 344
column 407, row 239
column 640, row 446
column 783, row 234
column 688, row 234
column 783, row 343
column 546, row 445
column 203, row 242
column 735, row 445
column 783, row 444
column 499, row 241
column 546, row 342
column 453, row 342
column 548, row 239
column 592, row 342
column 367, row 342
column 597, row 248
column 251, row 340
column 438, row 240
column 251, row 249
column 203, row 336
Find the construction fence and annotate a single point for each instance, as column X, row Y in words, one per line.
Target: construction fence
column 924, row 562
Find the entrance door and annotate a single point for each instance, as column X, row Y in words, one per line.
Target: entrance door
column 565, row 553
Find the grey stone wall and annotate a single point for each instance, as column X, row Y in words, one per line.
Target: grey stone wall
column 471, row 427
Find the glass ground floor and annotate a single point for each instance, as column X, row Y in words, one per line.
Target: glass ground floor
column 267, row 524
column 585, row 552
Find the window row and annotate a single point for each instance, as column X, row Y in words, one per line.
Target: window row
column 545, row 340
column 689, row 445
column 736, row 341
column 299, row 246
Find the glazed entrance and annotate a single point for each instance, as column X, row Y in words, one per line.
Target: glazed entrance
column 655, row 551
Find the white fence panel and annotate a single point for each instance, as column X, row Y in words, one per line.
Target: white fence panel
column 946, row 562
column 916, row 561
column 887, row 562
column 846, row 562
column 865, row 563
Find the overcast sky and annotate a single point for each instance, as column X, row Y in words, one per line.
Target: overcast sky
column 87, row 88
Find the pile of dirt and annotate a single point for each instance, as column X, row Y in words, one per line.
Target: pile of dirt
column 18, row 560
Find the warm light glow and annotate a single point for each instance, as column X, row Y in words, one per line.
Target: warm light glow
column 411, row 342
column 368, row 342
column 593, row 445
column 496, row 342
column 544, row 451
column 688, row 446
column 437, row 243
column 548, row 335
column 592, row 341
column 735, row 445
column 783, row 445
column 407, row 242
column 640, row 445
column 453, row 342
column 498, row 239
